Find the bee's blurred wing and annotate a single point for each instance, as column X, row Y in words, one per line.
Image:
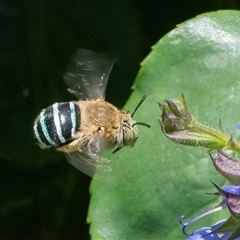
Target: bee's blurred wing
column 87, row 74
column 89, row 160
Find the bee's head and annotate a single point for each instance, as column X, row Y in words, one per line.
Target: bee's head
column 128, row 133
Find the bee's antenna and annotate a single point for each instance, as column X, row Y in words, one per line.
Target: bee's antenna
column 141, row 123
column 139, row 104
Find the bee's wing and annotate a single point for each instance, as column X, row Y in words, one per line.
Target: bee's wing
column 87, row 74
column 88, row 159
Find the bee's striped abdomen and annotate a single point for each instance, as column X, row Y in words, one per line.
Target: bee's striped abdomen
column 56, row 125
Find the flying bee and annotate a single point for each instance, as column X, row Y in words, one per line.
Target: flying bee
column 83, row 129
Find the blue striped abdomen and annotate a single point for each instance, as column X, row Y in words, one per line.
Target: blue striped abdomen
column 56, row 125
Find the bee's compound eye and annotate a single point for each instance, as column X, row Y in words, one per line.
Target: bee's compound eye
column 57, row 124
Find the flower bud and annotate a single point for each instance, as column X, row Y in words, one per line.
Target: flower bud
column 227, row 166
column 180, row 126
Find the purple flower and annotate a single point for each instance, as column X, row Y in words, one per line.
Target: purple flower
column 232, row 189
column 223, row 229
column 206, row 233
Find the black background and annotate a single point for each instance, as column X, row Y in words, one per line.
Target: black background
column 41, row 195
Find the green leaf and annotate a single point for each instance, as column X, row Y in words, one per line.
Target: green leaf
column 152, row 184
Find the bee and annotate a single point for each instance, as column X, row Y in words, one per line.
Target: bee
column 83, row 129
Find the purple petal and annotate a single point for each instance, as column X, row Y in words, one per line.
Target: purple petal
column 232, row 189
column 218, row 224
column 201, row 234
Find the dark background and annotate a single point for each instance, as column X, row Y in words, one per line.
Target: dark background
column 41, row 195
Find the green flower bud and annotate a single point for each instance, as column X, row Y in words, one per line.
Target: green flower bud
column 180, row 126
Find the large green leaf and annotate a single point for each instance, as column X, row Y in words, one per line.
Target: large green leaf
column 152, row 184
